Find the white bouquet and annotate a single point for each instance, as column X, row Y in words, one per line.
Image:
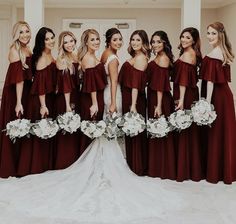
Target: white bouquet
column 132, row 124
column 112, row 130
column 158, row 128
column 69, row 122
column 203, row 112
column 17, row 129
column 45, row 128
column 180, row 119
column 93, row 129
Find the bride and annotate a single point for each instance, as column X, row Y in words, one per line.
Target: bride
column 99, row 187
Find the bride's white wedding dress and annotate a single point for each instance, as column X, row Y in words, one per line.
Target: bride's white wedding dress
column 98, row 188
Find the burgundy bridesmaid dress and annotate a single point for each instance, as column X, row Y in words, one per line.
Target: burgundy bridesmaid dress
column 94, row 80
column 136, row 147
column 9, row 152
column 66, row 145
column 161, row 151
column 36, row 153
column 221, row 136
column 189, row 154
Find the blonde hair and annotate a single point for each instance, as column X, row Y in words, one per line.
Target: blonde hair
column 63, row 56
column 224, row 42
column 83, row 49
column 16, row 43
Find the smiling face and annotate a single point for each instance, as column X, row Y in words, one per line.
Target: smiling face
column 24, row 35
column 116, row 42
column 186, row 40
column 68, row 43
column 212, row 36
column 93, row 42
column 49, row 41
column 157, row 44
column 136, row 42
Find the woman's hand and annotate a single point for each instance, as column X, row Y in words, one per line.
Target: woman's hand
column 133, row 108
column 19, row 110
column 180, row 105
column 44, row 111
column 112, row 108
column 157, row 111
column 93, row 110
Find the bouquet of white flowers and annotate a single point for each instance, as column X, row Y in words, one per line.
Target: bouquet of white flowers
column 69, row 122
column 132, row 124
column 93, row 129
column 17, row 129
column 158, row 128
column 112, row 130
column 45, row 128
column 180, row 119
column 203, row 112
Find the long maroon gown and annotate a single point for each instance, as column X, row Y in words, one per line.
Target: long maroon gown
column 94, row 80
column 221, row 136
column 9, row 152
column 161, row 151
column 136, row 147
column 37, row 154
column 66, row 145
column 189, row 154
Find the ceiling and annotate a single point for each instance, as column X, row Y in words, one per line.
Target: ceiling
column 120, row 3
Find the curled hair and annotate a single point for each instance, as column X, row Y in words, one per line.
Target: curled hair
column 83, row 49
column 166, row 43
column 223, row 41
column 39, row 45
column 145, row 43
column 109, row 34
column 63, row 55
column 16, row 43
column 196, row 43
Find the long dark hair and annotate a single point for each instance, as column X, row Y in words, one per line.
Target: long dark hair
column 196, row 43
column 109, row 33
column 167, row 46
column 145, row 48
column 39, row 45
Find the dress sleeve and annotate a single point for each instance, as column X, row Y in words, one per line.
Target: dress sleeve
column 185, row 74
column 44, row 81
column 94, row 79
column 213, row 70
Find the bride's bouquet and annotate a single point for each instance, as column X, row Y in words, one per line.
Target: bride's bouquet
column 180, row 120
column 112, row 130
column 69, row 122
column 203, row 112
column 45, row 128
column 158, row 128
column 132, row 124
column 93, row 129
column 18, row 129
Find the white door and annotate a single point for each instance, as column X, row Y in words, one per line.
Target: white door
column 126, row 27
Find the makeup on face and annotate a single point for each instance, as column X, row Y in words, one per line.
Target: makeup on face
column 49, row 40
column 212, row 36
column 136, row 42
column 24, row 35
column 68, row 43
column 116, row 41
column 157, row 44
column 93, row 42
column 186, row 40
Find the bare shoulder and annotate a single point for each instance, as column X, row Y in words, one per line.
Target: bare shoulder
column 164, row 61
column 42, row 63
column 141, row 62
column 216, row 53
column 75, row 58
column 105, row 56
column 13, row 55
column 61, row 65
column 189, row 57
column 88, row 61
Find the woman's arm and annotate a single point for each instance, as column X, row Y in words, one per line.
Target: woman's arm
column 43, row 108
column 94, row 107
column 180, row 104
column 67, row 99
column 158, row 111
column 210, row 87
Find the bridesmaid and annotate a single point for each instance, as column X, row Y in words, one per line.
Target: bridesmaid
column 215, row 73
column 37, row 154
column 67, row 98
column 132, row 78
column 15, row 94
column 189, row 157
column 161, row 153
column 94, row 81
